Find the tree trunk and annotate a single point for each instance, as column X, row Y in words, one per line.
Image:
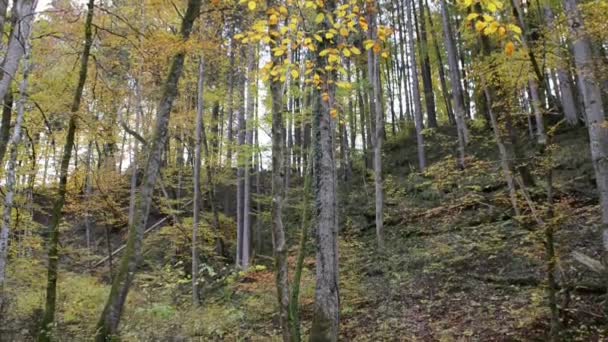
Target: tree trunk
column 196, row 203
column 278, row 192
column 376, row 96
column 442, row 80
column 251, row 68
column 110, row 318
column 415, row 90
column 11, row 170
column 53, row 243
column 326, row 316
column 5, row 128
column 425, row 67
column 459, row 108
column 23, row 11
column 594, row 110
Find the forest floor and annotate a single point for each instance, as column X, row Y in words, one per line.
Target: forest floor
column 457, row 265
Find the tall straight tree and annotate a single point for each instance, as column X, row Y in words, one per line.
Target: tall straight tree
column 425, row 66
column 326, row 316
column 415, row 88
column 459, row 108
column 53, row 243
column 11, row 173
column 373, row 66
column 278, row 188
column 110, row 318
column 197, row 199
column 594, row 110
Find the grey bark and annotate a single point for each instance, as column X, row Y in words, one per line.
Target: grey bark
column 24, row 16
column 196, row 204
column 326, row 316
column 278, row 192
column 457, row 95
column 246, row 251
column 11, row 174
column 415, row 90
column 594, row 110
column 373, row 65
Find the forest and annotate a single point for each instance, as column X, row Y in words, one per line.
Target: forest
column 288, row 170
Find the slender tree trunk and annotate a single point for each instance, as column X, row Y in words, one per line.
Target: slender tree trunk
column 196, row 204
column 11, row 173
column 53, row 243
column 376, row 96
column 23, row 10
column 278, row 193
column 442, row 80
column 415, row 91
column 5, row 128
column 251, row 68
column 425, row 67
column 459, row 108
column 594, row 110
column 110, row 318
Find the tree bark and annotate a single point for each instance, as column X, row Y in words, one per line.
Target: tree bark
column 278, row 192
column 326, row 316
column 376, row 96
column 415, row 90
column 11, row 173
column 110, row 318
column 594, row 110
column 425, row 68
column 23, row 11
column 196, row 204
column 457, row 96
column 5, row 128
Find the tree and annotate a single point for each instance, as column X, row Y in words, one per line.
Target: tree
column 11, row 171
column 415, row 89
column 459, row 108
column 110, row 317
column 53, row 253
column 594, row 110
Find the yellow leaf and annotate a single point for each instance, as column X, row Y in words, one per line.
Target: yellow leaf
column 346, row 52
column 325, row 97
column 329, row 35
column 295, row 73
column 318, row 38
column 377, row 48
column 514, row 28
column 385, row 54
column 492, row 28
column 344, row 32
column 273, row 19
column 319, row 18
column 283, row 10
column 472, row 16
column 368, row 44
column 324, row 53
column 279, row 52
column 344, row 85
column 252, row 5
column 502, row 31
column 509, row 48
column 355, row 50
column 333, row 113
column 480, row 25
